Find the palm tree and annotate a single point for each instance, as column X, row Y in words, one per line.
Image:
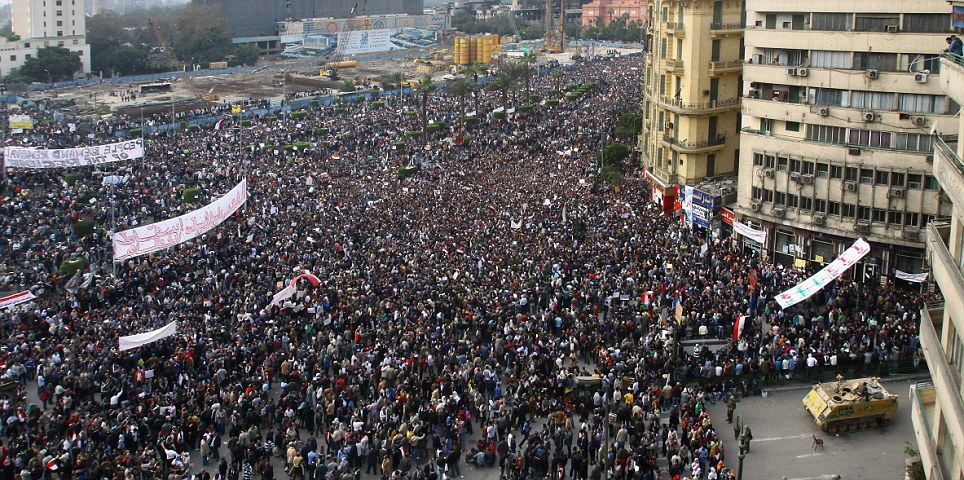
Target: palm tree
column 475, row 70
column 503, row 82
column 460, row 88
column 396, row 79
column 557, row 75
column 528, row 59
column 425, row 87
column 515, row 72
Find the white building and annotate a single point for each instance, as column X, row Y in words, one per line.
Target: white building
column 841, row 101
column 45, row 23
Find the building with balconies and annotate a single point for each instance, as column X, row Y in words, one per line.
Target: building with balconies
column 839, row 110
column 692, row 93
column 937, row 406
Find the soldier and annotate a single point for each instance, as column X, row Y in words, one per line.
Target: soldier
column 730, row 407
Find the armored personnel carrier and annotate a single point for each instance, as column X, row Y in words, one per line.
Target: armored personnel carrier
column 850, row 405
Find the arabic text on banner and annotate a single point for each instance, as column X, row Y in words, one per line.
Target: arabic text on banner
column 158, row 236
column 37, row 158
column 16, row 299
column 21, row 121
column 911, row 277
column 759, row 236
column 812, row 285
column 134, row 341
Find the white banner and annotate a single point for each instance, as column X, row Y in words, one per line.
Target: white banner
column 36, row 158
column 365, row 41
column 134, row 341
column 158, row 236
column 911, row 277
column 759, row 236
column 16, row 299
column 812, row 285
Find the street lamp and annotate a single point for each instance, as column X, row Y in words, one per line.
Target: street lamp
column 48, row 76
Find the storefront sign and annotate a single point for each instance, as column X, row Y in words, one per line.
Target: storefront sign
column 728, row 216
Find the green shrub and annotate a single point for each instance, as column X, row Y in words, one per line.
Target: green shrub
column 71, row 266
column 192, row 128
column 299, row 114
column 408, row 171
column 322, row 131
column 302, row 145
column 466, row 138
column 525, row 108
column 587, row 85
column 552, row 101
column 272, row 118
column 555, row 93
column 100, row 135
column 535, row 97
column 289, row 147
column 72, row 178
column 339, row 111
column 571, row 87
column 573, row 95
column 378, row 104
column 245, row 123
column 182, row 125
column 313, row 103
column 84, row 198
column 398, row 143
column 499, row 115
column 410, row 113
column 83, row 228
column 191, row 195
column 134, row 132
column 413, row 133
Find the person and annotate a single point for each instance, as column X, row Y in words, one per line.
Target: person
column 730, row 408
column 954, row 45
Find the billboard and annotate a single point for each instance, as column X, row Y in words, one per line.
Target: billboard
column 321, row 38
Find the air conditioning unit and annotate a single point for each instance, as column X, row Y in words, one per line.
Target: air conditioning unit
column 792, row 72
column 862, row 227
column 778, row 212
column 896, row 193
column 892, row 28
column 912, row 235
column 823, row 111
column 850, row 186
column 869, row 116
column 872, row 74
column 802, row 72
column 920, row 121
column 755, row 206
column 795, row 177
column 819, row 219
column 806, row 179
column 768, row 172
column 754, row 93
column 921, row 77
column 929, row 159
column 754, row 84
column 854, row 151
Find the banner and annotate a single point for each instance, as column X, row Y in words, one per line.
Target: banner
column 158, row 236
column 738, row 327
column 21, row 121
column 24, row 157
column 911, row 277
column 759, row 236
column 812, row 285
column 134, row 341
column 16, row 299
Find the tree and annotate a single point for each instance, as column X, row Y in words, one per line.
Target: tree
column 475, row 70
column 247, row 54
column 347, row 86
column 425, row 87
column 51, row 64
column 461, row 88
column 515, row 73
column 557, row 76
column 396, row 79
column 528, row 59
column 201, row 34
column 129, row 60
column 503, row 83
column 629, row 125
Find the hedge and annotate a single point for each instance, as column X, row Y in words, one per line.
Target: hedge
column 378, row 104
column 192, row 128
column 71, row 266
column 182, row 125
column 322, row 131
column 468, row 118
column 555, row 93
column 84, row 198
column 190, row 194
column 410, row 113
column 302, row 145
column 535, row 97
column 83, row 228
column 398, row 143
column 299, row 114
column 573, row 95
column 272, row 118
column 339, row 110
column 313, row 103
column 587, row 85
column 413, row 133
column 434, row 127
column 525, row 108
column 408, row 171
column 572, row 86
column 245, row 123
column 134, row 132
column 552, row 102
column 72, row 178
column 499, row 115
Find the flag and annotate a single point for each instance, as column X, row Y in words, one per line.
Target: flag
column 738, row 327
column 283, row 295
column 219, row 125
column 647, row 297
column 74, row 283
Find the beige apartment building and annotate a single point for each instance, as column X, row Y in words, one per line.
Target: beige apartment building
column 841, row 100
column 938, row 410
column 692, row 93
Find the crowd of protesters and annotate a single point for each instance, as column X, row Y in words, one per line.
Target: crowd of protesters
column 459, row 306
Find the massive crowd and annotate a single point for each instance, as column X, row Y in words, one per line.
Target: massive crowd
column 464, row 302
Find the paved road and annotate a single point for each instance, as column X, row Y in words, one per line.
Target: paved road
column 782, row 439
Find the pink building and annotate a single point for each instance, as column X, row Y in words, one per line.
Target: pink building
column 602, row 12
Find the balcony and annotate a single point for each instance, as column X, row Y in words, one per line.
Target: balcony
column 674, row 66
column 685, row 146
column 677, row 105
column 675, row 29
column 923, row 397
column 729, row 66
column 718, row 30
column 949, row 169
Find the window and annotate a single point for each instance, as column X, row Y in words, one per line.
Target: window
column 914, row 142
column 806, row 168
column 826, row 134
column 875, row 23
column 882, row 177
column 780, row 198
column 769, row 161
column 806, row 203
column 662, row 48
column 60, row 23
column 913, row 103
column 828, row 59
column 875, row 61
column 767, row 195
column 757, row 193
column 918, row 62
column 794, row 165
column 782, row 163
column 13, row 58
column 849, row 210
column 60, row 13
column 911, row 219
column 793, row 126
column 839, row 22
column 863, row 213
column 819, row 205
column 930, row 183
column 880, row 215
column 28, row 56
column 872, row 100
column 851, row 174
column 823, row 170
column 895, row 218
column 758, row 159
column 26, row 45
column 896, row 179
column 914, row 180
column 833, row 208
column 836, row 172
column 59, row 3
column 866, row 175
column 826, row 96
column 870, row 138
column 793, row 201
column 662, row 84
column 60, row 33
column 926, row 22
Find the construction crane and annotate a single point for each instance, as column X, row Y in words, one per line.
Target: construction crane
column 331, row 70
column 165, row 46
column 555, row 40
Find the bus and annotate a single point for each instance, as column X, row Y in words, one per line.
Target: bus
column 160, row 87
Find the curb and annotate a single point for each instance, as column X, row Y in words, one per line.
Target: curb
column 893, row 378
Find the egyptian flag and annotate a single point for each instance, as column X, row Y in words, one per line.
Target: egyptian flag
column 647, row 297
column 219, row 125
column 738, row 326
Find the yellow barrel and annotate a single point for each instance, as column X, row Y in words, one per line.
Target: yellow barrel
column 486, row 54
column 345, row 64
column 463, row 51
column 474, row 50
column 495, row 39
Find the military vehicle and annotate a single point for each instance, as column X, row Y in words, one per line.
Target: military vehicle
column 850, row 405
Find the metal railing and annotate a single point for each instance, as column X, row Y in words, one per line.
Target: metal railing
column 674, row 64
column 677, row 26
column 726, row 26
column 951, row 153
column 726, row 65
column 685, row 144
column 699, row 106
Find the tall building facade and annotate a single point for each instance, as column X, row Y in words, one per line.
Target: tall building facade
column 692, row 93
column 937, row 406
column 839, row 107
column 45, row 23
column 603, row 12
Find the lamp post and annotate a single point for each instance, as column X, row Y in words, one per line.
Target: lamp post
column 49, row 79
column 739, row 472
